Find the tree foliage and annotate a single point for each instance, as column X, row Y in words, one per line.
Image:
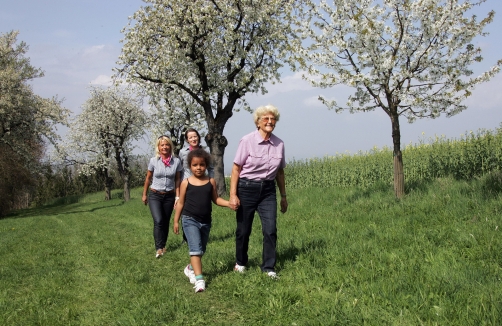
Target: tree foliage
column 103, row 134
column 213, row 52
column 410, row 58
column 173, row 112
column 27, row 123
column 22, row 113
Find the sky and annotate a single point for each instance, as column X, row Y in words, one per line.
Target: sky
column 77, row 44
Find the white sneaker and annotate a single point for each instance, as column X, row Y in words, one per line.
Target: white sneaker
column 239, row 268
column 273, row 275
column 190, row 274
column 200, row 286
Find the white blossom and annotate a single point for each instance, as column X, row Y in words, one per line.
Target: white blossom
column 25, row 116
column 410, row 58
column 103, row 134
column 213, row 52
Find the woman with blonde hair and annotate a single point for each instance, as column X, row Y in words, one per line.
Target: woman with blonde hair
column 163, row 179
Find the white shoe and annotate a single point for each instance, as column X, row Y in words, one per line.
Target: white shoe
column 273, row 275
column 159, row 253
column 190, row 274
column 200, row 286
column 239, row 268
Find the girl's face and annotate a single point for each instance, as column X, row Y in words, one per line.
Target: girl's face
column 193, row 139
column 164, row 148
column 198, row 166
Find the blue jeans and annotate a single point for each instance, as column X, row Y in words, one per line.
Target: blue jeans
column 257, row 196
column 161, row 207
column 197, row 235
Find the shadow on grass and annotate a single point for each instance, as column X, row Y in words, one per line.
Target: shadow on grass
column 223, row 237
column 63, row 206
column 291, row 253
column 367, row 192
column 385, row 188
column 491, row 184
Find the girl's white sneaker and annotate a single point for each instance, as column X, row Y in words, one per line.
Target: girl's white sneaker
column 200, row 286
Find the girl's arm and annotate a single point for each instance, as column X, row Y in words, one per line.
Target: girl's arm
column 179, row 206
column 148, row 182
column 177, row 182
column 218, row 200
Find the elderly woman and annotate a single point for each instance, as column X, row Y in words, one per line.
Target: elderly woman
column 258, row 164
column 163, row 178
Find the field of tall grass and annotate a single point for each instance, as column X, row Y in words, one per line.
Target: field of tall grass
column 347, row 255
column 471, row 156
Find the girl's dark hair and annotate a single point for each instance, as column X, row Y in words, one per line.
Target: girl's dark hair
column 191, row 130
column 199, row 152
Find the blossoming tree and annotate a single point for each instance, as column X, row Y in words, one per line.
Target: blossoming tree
column 213, row 51
column 172, row 113
column 24, row 116
column 410, row 58
column 28, row 123
column 104, row 132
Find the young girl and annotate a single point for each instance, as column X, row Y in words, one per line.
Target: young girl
column 194, row 205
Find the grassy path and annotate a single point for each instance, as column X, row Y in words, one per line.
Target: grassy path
column 346, row 257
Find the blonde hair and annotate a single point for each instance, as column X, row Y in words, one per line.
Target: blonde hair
column 157, row 143
column 262, row 110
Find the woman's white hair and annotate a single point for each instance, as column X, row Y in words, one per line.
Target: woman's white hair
column 262, row 110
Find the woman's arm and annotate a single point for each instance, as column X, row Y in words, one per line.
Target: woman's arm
column 148, row 182
column 177, row 182
column 234, row 181
column 281, row 184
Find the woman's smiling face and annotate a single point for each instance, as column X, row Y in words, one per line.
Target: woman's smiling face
column 193, row 139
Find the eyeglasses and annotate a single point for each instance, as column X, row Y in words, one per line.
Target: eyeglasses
column 162, row 136
column 271, row 119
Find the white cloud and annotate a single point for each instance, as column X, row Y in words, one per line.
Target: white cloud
column 103, row 80
column 486, row 95
column 288, row 84
column 313, row 102
column 62, row 33
column 95, row 49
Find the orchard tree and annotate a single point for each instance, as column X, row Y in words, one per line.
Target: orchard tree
column 174, row 111
column 214, row 51
column 25, row 118
column 410, row 58
column 103, row 134
column 28, row 123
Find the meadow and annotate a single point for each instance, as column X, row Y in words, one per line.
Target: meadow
column 347, row 255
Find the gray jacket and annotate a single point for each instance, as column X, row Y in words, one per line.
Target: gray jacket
column 183, row 154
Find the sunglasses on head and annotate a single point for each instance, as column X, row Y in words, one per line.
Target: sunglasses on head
column 162, row 136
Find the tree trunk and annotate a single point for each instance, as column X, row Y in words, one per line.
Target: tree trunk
column 123, row 167
column 127, row 193
column 398, row 158
column 217, row 143
column 108, row 188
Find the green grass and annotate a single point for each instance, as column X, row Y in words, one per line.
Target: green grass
column 345, row 256
column 471, row 156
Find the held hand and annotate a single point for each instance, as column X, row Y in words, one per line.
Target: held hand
column 234, row 202
column 176, row 228
column 284, row 205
